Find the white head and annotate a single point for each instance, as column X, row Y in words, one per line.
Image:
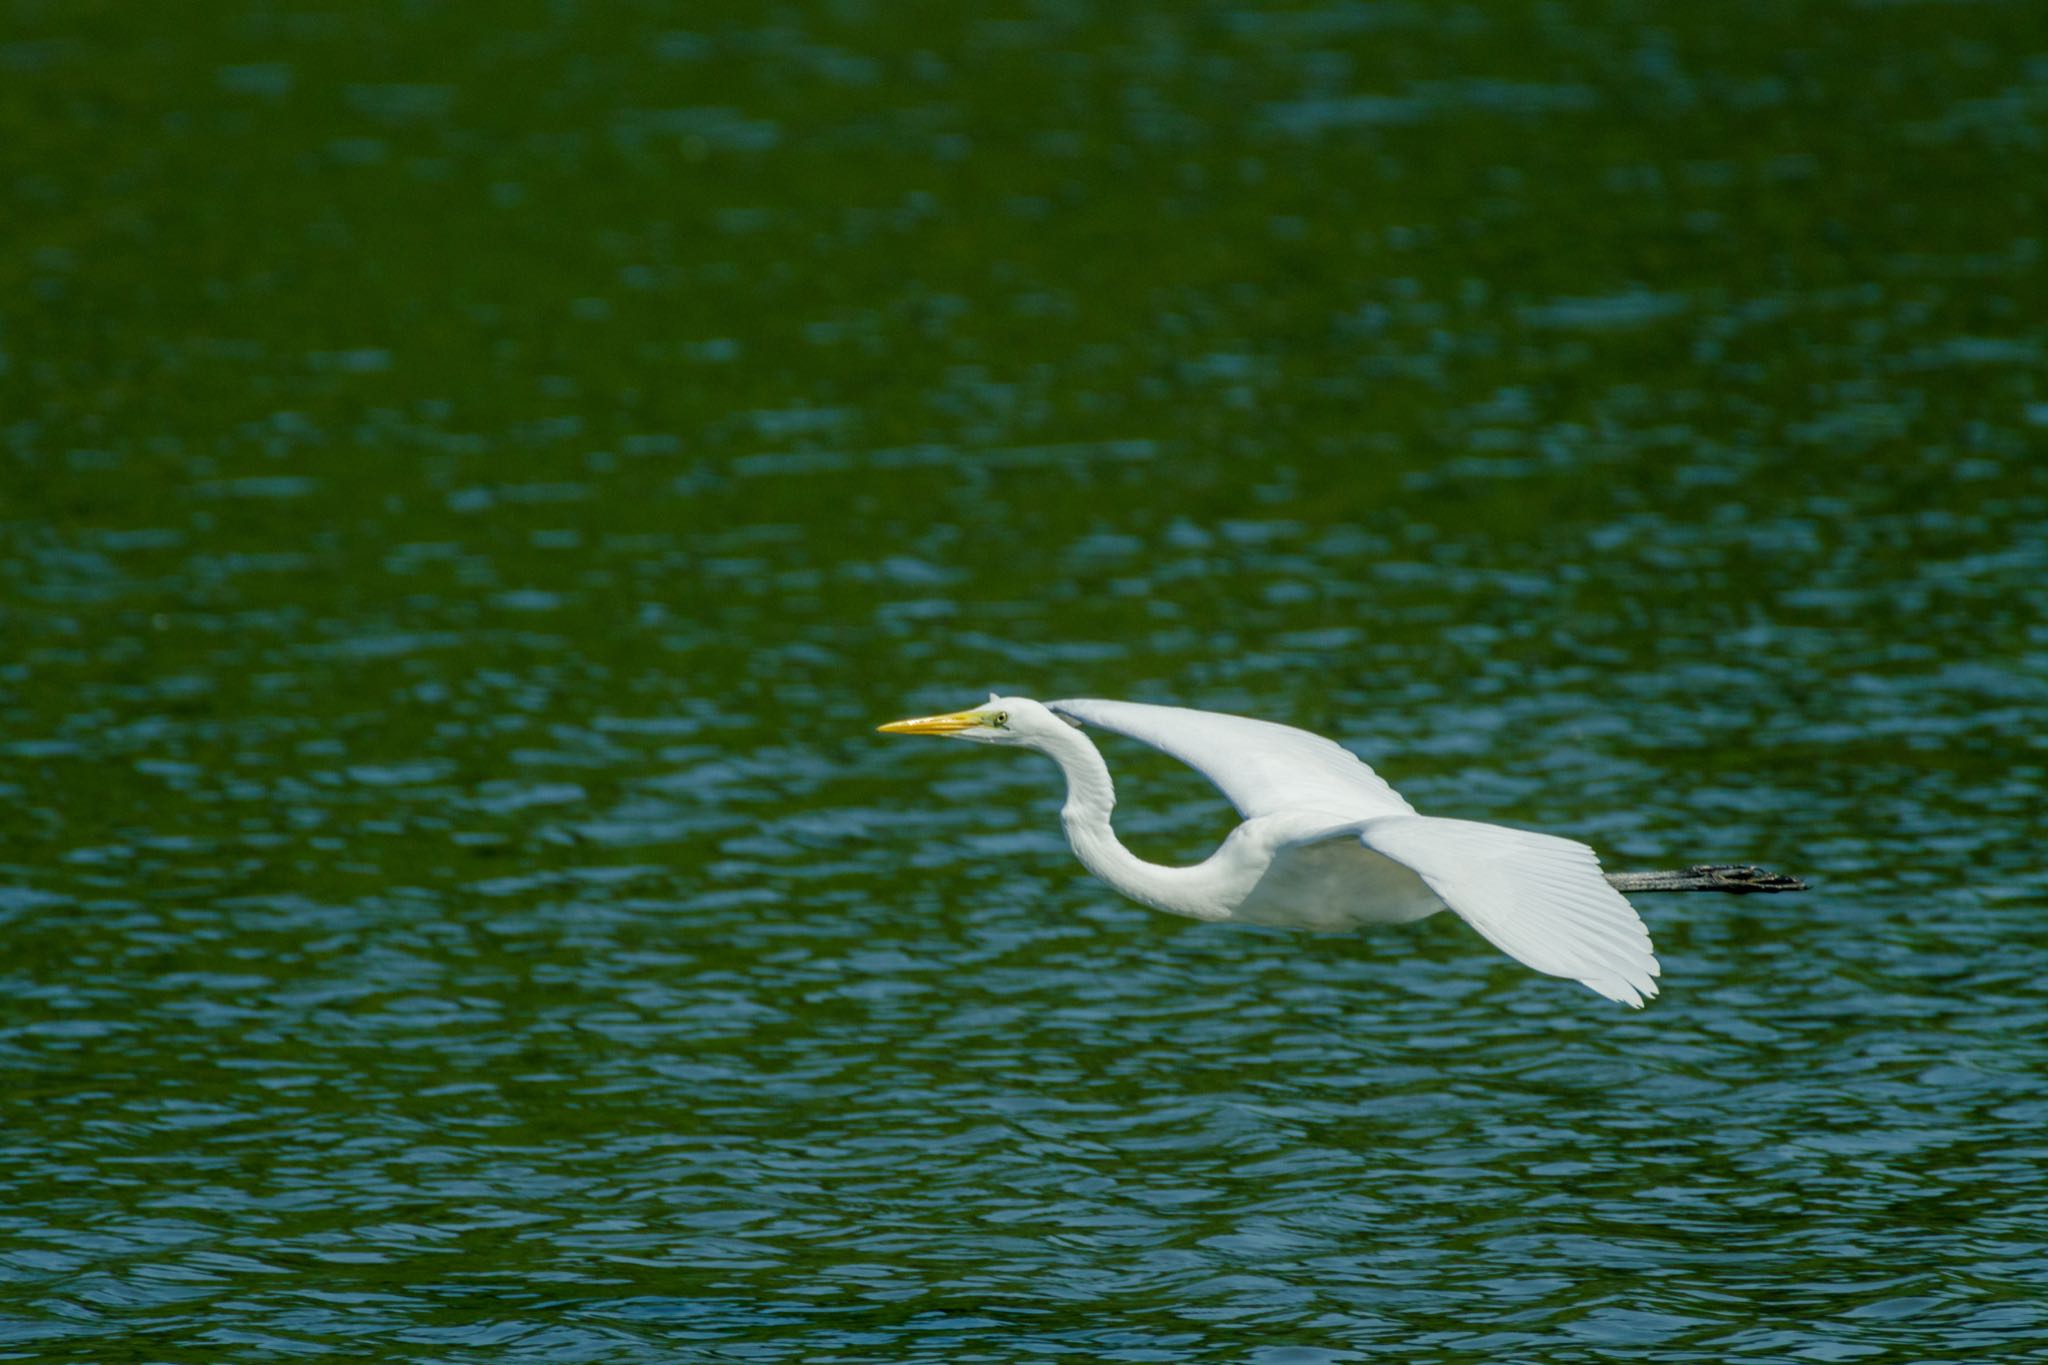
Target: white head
column 1004, row 720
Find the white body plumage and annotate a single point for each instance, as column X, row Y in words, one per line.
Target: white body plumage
column 1326, row 845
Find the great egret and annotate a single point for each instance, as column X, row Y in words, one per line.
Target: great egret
column 1327, row 845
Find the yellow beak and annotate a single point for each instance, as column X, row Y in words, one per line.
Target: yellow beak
column 934, row 725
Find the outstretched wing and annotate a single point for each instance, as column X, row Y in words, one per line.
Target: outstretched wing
column 1539, row 899
column 1261, row 767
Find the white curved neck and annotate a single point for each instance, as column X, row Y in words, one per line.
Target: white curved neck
column 1091, row 796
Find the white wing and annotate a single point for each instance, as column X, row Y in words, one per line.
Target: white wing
column 1261, row 767
column 1539, row 899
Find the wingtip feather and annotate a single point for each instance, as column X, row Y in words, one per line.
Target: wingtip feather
column 1538, row 898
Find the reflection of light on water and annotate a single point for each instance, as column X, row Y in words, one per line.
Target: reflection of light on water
column 468, row 488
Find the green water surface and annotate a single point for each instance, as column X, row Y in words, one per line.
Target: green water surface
column 472, row 477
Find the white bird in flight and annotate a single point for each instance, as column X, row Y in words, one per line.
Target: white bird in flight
column 1326, row 845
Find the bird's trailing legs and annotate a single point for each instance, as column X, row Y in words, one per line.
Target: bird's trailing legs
column 1737, row 879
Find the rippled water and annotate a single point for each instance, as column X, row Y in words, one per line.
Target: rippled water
column 470, row 484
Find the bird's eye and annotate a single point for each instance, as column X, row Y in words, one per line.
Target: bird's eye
column 1001, row 720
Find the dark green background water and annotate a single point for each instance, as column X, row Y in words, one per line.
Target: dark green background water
column 471, row 477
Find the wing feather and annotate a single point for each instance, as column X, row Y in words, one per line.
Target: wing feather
column 1538, row 898
column 1261, row 767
